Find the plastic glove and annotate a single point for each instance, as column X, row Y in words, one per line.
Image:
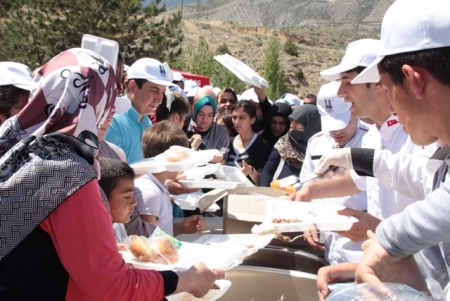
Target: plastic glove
column 341, row 158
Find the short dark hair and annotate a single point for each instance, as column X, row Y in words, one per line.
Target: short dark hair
column 10, row 97
column 436, row 61
column 112, row 171
column 139, row 82
column 160, row 137
column 358, row 69
column 178, row 106
column 249, row 107
column 311, row 96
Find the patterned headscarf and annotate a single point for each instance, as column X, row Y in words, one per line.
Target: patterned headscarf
column 72, row 94
column 203, row 97
column 49, row 150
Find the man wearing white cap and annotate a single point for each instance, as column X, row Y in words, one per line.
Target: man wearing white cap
column 15, row 86
column 147, row 81
column 178, row 79
column 339, row 129
column 413, row 67
column 369, row 100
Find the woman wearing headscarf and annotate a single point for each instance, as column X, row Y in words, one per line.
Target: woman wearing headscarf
column 287, row 156
column 57, row 237
column 204, row 131
column 277, row 123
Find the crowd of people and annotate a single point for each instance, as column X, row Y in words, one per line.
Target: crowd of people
column 69, row 131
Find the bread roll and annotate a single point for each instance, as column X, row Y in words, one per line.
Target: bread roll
column 176, row 156
column 158, row 250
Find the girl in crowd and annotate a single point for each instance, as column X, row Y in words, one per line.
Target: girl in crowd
column 57, row 238
column 173, row 108
column 226, row 121
column 248, row 150
column 287, row 156
column 276, row 122
column 204, row 132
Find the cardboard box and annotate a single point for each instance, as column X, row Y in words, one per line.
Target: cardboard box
column 244, row 207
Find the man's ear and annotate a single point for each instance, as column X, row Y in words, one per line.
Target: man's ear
column 132, row 85
column 415, row 79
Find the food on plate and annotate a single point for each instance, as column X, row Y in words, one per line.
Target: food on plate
column 288, row 189
column 176, row 156
column 250, row 246
column 158, row 250
column 285, row 221
column 282, row 237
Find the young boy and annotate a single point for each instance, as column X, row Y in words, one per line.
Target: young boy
column 117, row 182
column 154, row 204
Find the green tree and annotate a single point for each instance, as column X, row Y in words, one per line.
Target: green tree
column 37, row 30
column 290, row 48
column 199, row 59
column 273, row 71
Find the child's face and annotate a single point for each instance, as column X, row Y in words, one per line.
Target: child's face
column 122, row 201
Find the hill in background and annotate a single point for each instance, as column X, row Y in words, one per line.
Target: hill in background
column 320, row 29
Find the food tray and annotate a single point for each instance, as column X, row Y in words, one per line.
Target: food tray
column 205, row 183
column 190, row 201
column 213, row 256
column 212, row 295
column 149, row 165
column 196, row 158
column 324, row 216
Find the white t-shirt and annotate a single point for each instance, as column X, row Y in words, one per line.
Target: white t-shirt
column 337, row 248
column 154, row 199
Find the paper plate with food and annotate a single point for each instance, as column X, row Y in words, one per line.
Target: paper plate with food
column 208, row 183
column 150, row 165
column 219, row 289
column 178, row 158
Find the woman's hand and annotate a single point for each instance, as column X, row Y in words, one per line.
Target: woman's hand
column 246, row 168
column 195, row 141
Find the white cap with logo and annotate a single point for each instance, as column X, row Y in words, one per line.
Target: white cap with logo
column 151, row 70
column 16, row 74
column 410, row 25
column 334, row 111
column 360, row 53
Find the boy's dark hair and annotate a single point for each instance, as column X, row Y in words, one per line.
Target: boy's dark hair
column 436, row 61
column 178, row 106
column 112, row 171
column 250, row 108
column 10, row 97
column 358, row 69
column 160, row 137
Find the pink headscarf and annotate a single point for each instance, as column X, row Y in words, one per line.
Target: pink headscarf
column 72, row 94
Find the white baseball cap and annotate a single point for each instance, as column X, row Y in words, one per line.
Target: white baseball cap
column 178, row 77
column 192, row 92
column 151, row 70
column 334, row 111
column 122, row 104
column 178, row 90
column 16, row 74
column 410, row 25
column 290, row 100
column 250, row 95
column 190, row 84
column 360, row 53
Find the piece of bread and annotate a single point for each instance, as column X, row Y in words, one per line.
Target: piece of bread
column 157, row 250
column 176, row 156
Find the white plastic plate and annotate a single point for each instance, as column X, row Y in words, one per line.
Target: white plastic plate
column 190, row 201
column 194, row 159
column 214, row 257
column 108, row 49
column 241, row 70
column 204, row 183
column 212, row 295
column 150, row 165
column 324, row 216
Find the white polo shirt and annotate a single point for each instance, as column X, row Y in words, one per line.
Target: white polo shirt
column 337, row 248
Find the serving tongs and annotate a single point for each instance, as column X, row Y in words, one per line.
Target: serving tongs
column 295, row 181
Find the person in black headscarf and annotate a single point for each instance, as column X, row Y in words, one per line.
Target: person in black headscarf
column 287, row 156
column 277, row 124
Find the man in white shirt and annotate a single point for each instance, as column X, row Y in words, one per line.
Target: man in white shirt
column 339, row 129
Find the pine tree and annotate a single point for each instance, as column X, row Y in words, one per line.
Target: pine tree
column 273, row 71
column 37, row 30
